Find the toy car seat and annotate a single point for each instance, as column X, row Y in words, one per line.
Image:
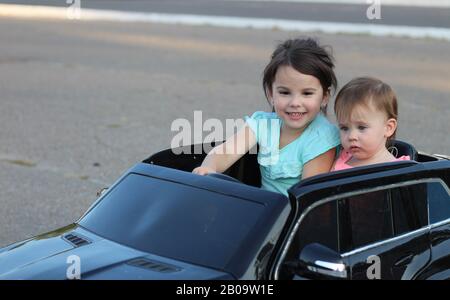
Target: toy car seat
column 400, row 148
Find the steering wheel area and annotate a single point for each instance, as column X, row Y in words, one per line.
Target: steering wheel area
column 223, row 177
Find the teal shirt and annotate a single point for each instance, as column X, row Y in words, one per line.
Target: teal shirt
column 282, row 168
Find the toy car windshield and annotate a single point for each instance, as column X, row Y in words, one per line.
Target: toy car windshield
column 163, row 217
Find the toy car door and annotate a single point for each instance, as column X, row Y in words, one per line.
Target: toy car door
column 372, row 225
column 384, row 232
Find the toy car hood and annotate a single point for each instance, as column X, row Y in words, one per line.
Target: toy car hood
column 54, row 256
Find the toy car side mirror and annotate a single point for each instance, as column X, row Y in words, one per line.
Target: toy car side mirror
column 319, row 261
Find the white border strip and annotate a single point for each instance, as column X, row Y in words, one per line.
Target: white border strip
column 417, row 3
column 28, row 11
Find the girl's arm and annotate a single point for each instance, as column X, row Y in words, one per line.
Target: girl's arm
column 221, row 157
column 320, row 164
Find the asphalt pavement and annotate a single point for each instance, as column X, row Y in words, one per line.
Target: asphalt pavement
column 81, row 102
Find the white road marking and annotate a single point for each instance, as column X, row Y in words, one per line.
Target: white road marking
column 28, row 11
column 420, row 3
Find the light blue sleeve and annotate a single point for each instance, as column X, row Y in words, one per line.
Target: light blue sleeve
column 323, row 137
column 254, row 123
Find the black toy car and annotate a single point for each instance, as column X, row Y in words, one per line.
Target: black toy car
column 159, row 221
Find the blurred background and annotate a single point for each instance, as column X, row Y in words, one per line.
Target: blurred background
column 89, row 88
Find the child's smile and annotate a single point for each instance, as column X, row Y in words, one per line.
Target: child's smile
column 296, row 116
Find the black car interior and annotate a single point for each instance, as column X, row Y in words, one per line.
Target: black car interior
column 186, row 158
column 246, row 169
column 400, row 148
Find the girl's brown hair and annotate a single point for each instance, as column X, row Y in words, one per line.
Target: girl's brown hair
column 307, row 57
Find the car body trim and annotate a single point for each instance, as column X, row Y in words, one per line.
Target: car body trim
column 380, row 243
column 440, row 223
